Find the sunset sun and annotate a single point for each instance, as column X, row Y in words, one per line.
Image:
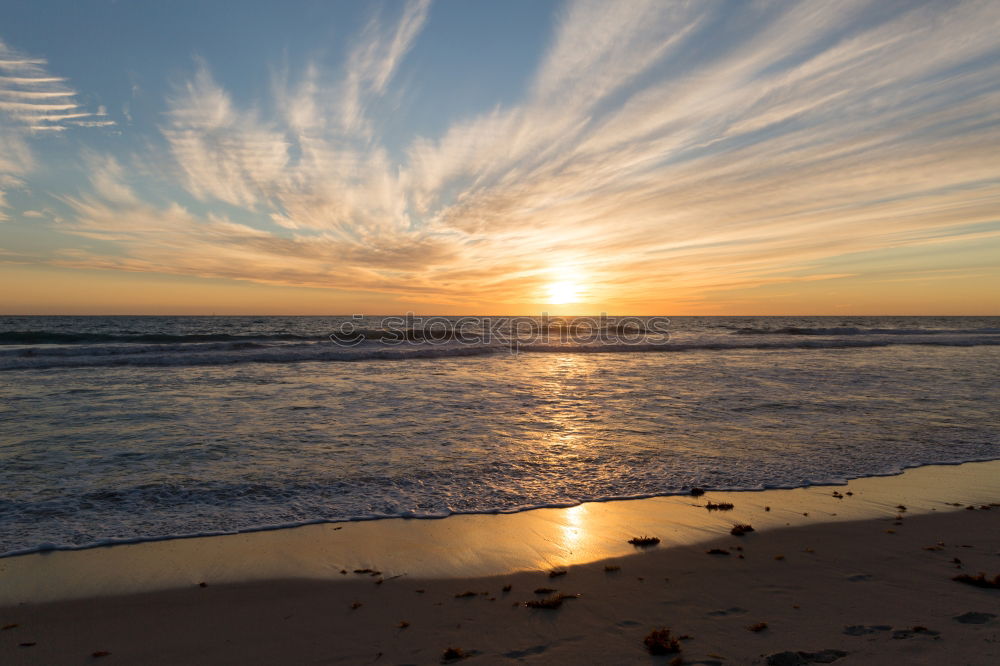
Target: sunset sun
column 563, row 292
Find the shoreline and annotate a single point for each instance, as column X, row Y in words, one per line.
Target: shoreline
column 452, row 547
column 107, row 543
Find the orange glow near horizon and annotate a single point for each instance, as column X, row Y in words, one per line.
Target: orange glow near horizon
column 757, row 179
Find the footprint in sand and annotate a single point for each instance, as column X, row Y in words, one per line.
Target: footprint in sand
column 735, row 610
column 526, row 652
column 862, row 629
column 801, row 658
column 973, row 617
column 901, row 634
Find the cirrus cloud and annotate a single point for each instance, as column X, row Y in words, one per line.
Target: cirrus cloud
column 660, row 148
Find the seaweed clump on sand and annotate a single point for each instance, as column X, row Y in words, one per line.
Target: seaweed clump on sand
column 644, row 541
column 454, row 654
column 740, row 529
column 659, row 641
column 979, row 581
column 757, row 627
column 550, row 603
column 719, row 506
column 697, row 492
column 717, row 551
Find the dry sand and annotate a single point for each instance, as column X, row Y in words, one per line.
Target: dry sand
column 872, row 591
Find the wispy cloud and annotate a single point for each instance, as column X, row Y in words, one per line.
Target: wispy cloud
column 30, row 97
column 32, row 101
column 661, row 151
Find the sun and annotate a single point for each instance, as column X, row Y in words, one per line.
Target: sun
column 563, row 292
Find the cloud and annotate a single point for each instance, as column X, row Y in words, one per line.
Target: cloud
column 661, row 151
column 171, row 239
column 374, row 60
column 30, row 97
column 32, row 102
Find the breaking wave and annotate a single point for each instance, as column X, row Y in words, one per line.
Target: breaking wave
column 250, row 351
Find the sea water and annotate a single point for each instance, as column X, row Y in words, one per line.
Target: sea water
column 133, row 428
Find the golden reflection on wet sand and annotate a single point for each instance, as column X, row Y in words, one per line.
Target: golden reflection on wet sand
column 477, row 545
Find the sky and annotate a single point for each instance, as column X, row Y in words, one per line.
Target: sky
column 516, row 157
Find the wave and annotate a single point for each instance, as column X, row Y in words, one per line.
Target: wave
column 53, row 338
column 475, row 329
column 228, row 494
column 847, row 330
column 127, row 350
column 257, row 352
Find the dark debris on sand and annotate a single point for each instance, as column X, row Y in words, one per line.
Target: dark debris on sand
column 979, row 581
column 659, row 641
column 644, row 541
column 717, row 551
column 719, row 506
column 550, row 603
column 454, row 654
column 740, row 529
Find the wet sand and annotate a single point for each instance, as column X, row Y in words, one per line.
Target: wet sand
column 850, row 587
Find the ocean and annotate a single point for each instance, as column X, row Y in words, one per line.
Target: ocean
column 122, row 429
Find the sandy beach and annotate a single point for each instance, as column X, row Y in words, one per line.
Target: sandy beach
column 856, row 591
